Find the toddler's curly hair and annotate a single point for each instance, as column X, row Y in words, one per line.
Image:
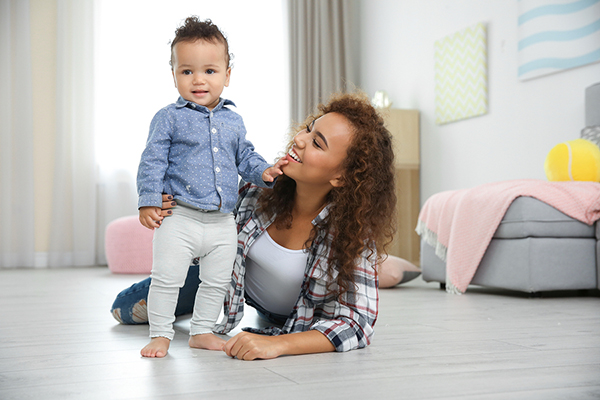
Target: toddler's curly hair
column 193, row 29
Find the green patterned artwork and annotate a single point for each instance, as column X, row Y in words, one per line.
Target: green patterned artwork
column 461, row 75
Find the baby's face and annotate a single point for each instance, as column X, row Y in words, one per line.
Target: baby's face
column 200, row 71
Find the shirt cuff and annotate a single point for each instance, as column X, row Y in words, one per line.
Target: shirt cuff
column 257, row 178
column 339, row 333
column 150, row 200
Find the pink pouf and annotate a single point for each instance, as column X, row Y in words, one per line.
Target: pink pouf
column 128, row 246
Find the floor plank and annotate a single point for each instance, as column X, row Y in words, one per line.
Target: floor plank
column 59, row 341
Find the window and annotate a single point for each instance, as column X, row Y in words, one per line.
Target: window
column 133, row 78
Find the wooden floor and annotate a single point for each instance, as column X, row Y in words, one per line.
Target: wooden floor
column 59, row 341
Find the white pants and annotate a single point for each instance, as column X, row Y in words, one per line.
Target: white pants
column 183, row 236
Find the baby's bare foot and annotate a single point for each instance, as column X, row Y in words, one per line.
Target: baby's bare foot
column 157, row 347
column 207, row 341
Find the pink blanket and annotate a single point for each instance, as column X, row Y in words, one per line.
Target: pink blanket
column 460, row 223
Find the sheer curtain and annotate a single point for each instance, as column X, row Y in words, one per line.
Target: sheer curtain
column 17, row 245
column 73, row 235
column 322, row 51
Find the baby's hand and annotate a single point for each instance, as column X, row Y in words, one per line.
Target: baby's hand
column 273, row 172
column 150, row 217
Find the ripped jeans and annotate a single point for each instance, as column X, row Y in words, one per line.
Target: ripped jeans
column 129, row 308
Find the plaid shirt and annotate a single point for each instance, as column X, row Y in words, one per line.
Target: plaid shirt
column 346, row 320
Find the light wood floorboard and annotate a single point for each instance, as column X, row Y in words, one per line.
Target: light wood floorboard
column 58, row 340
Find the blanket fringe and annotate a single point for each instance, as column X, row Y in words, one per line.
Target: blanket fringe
column 450, row 288
column 431, row 239
column 441, row 251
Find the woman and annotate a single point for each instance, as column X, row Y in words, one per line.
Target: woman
column 308, row 249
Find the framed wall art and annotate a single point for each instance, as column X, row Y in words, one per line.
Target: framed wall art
column 461, row 75
column 557, row 35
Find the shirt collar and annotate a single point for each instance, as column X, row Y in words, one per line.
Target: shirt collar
column 322, row 215
column 181, row 102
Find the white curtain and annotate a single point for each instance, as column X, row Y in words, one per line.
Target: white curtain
column 17, row 245
column 74, row 233
column 321, row 51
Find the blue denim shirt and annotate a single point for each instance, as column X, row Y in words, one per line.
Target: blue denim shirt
column 195, row 154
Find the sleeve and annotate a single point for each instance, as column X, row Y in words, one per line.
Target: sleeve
column 154, row 161
column 251, row 165
column 355, row 312
column 243, row 188
column 248, row 195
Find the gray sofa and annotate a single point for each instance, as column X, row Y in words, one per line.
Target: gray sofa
column 536, row 248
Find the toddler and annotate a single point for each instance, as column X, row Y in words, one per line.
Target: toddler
column 195, row 150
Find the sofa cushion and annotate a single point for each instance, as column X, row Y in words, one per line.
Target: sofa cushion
column 529, row 217
column 527, row 264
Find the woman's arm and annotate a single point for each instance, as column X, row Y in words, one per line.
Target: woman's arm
column 348, row 319
column 250, row 346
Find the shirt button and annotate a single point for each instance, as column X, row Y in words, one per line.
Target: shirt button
column 219, row 188
column 211, row 114
column 215, row 149
column 218, row 169
column 214, row 130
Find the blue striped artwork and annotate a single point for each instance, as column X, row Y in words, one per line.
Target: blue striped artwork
column 555, row 35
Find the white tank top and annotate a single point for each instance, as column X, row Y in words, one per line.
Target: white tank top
column 274, row 274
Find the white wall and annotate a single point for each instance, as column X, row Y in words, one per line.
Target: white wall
column 525, row 119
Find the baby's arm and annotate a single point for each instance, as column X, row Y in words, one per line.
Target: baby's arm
column 151, row 217
column 273, row 172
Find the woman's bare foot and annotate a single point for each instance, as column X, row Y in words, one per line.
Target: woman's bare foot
column 207, row 341
column 157, row 347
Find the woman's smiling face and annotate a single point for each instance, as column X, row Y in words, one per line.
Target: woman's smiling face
column 318, row 151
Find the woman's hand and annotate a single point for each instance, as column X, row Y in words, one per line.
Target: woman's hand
column 249, row 346
column 167, row 203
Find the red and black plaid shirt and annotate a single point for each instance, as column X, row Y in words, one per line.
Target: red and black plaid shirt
column 346, row 320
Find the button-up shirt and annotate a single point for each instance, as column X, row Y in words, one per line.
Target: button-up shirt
column 196, row 154
column 346, row 320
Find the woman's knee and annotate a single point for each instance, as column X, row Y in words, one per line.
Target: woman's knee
column 129, row 308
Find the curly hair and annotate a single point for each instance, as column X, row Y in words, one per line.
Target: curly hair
column 193, row 29
column 362, row 209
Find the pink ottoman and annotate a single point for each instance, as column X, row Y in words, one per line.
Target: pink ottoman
column 128, row 246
